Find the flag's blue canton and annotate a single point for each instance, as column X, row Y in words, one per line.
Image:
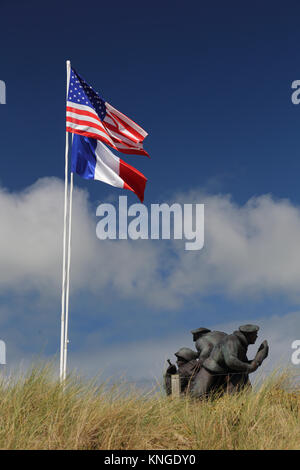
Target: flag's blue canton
column 81, row 93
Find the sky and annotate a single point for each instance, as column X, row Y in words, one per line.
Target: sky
column 211, row 84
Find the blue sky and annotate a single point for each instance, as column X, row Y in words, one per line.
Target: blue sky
column 211, row 83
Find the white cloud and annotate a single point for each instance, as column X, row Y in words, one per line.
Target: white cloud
column 31, row 246
column 249, row 250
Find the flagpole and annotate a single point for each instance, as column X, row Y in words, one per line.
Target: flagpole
column 66, row 340
column 62, row 332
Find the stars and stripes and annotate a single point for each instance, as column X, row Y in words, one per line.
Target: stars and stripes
column 89, row 115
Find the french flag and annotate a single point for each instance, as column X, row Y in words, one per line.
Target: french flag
column 91, row 159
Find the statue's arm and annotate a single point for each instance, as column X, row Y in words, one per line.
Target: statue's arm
column 230, row 351
column 262, row 352
column 205, row 352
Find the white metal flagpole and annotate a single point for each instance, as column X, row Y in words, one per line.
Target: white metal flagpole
column 63, row 295
column 66, row 340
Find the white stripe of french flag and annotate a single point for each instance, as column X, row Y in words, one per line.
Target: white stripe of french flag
column 117, row 172
column 91, row 159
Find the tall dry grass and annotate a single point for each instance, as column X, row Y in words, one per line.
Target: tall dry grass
column 36, row 413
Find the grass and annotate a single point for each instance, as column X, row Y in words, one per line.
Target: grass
column 36, row 413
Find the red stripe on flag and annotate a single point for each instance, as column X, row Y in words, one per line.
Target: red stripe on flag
column 117, row 131
column 126, row 125
column 129, row 150
column 86, row 123
column 90, row 134
column 83, row 113
column 133, row 179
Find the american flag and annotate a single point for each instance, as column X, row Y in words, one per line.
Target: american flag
column 89, row 115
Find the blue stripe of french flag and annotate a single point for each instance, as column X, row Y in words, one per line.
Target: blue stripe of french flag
column 91, row 159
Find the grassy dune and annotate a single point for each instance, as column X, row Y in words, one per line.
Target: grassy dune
column 35, row 413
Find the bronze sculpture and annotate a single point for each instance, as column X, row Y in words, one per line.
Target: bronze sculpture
column 222, row 362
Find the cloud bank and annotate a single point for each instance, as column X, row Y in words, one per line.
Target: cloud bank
column 249, row 250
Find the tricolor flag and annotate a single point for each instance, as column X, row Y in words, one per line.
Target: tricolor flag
column 91, row 159
column 89, row 115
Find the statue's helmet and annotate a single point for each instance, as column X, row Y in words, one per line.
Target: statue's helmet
column 187, row 354
column 200, row 331
column 249, row 328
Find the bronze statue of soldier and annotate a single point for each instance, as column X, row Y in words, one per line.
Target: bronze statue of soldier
column 205, row 340
column 227, row 367
column 188, row 366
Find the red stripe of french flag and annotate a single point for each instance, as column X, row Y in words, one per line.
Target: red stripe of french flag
column 133, row 179
column 112, row 170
